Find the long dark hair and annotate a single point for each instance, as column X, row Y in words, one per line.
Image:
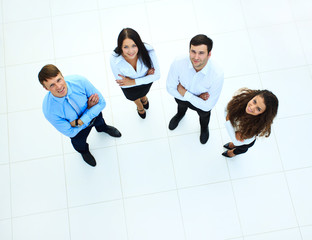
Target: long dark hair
column 249, row 125
column 134, row 36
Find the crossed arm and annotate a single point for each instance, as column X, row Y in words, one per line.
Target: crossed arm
column 92, row 101
column 182, row 91
column 126, row 81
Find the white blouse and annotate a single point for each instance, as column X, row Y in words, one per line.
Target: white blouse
column 231, row 131
column 120, row 66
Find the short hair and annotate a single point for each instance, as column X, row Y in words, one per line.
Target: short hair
column 48, row 71
column 135, row 37
column 202, row 39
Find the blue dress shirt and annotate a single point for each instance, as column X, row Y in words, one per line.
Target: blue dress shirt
column 60, row 113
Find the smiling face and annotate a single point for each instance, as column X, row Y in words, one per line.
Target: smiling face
column 56, row 85
column 129, row 49
column 199, row 56
column 256, row 106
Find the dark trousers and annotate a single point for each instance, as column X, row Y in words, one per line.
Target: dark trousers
column 204, row 117
column 79, row 142
column 243, row 148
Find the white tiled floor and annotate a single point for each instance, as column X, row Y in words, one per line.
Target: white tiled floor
column 154, row 183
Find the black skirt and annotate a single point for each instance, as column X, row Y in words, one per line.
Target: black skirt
column 133, row 93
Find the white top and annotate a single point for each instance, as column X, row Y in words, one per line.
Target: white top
column 120, row 66
column 231, row 131
column 209, row 79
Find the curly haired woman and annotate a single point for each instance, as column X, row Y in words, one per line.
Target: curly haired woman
column 249, row 114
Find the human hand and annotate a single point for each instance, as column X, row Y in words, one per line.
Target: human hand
column 181, row 90
column 150, row 71
column 204, row 96
column 125, row 81
column 93, row 100
column 73, row 123
column 238, row 136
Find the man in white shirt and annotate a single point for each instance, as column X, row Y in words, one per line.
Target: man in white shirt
column 195, row 82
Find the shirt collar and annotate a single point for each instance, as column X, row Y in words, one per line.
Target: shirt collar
column 204, row 70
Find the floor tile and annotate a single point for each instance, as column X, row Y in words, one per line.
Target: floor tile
column 164, row 29
column 289, row 106
column 271, row 47
column 264, row 204
column 306, row 232
column 146, row 167
column 59, row 7
column 299, row 129
column 205, row 167
column 262, row 158
column 1, row 45
column 5, row 195
column 299, row 187
column 301, row 9
column 16, row 10
column 111, row 29
column 214, row 22
column 305, row 35
column 49, row 226
column 4, row 139
column 208, row 210
column 6, row 230
column 41, row 185
column 37, row 44
column 235, row 61
column 154, row 217
column 86, row 185
column 29, row 91
column 98, row 221
column 134, row 128
column 289, row 234
column 77, row 34
column 27, row 139
column 266, row 12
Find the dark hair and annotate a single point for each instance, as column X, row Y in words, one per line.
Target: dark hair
column 48, row 71
column 133, row 35
column 202, row 39
column 250, row 125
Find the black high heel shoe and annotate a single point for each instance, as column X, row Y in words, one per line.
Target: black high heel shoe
column 145, row 103
column 227, row 146
column 225, row 154
column 142, row 115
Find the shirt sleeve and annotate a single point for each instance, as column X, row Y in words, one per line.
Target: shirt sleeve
column 214, row 92
column 173, row 82
column 114, row 68
column 62, row 125
column 153, row 77
column 91, row 113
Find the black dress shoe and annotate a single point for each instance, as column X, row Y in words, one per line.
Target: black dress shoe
column 174, row 122
column 88, row 158
column 145, row 104
column 225, row 154
column 227, row 146
column 112, row 131
column 204, row 136
column 142, row 115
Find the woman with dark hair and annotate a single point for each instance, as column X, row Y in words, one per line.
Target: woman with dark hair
column 249, row 114
column 135, row 67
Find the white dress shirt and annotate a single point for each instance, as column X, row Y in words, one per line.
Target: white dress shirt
column 209, row 79
column 120, row 66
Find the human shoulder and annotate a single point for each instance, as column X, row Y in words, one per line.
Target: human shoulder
column 214, row 67
column 148, row 47
column 75, row 79
column 181, row 61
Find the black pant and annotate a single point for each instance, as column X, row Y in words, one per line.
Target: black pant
column 79, row 142
column 243, row 148
column 204, row 117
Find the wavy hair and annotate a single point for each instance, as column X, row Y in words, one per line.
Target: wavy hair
column 250, row 125
column 134, row 36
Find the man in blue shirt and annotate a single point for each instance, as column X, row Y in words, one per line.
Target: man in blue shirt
column 73, row 106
